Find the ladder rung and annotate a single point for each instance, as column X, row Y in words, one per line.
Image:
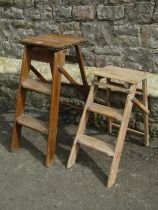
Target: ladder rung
column 37, row 86
column 95, row 144
column 103, row 85
column 104, row 110
column 32, row 123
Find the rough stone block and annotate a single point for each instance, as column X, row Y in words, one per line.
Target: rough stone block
column 14, row 13
column 153, row 60
column 46, row 13
column 32, row 14
column 97, row 33
column 100, row 60
column 153, row 39
column 136, row 58
column 127, row 30
column 109, row 50
column 6, row 2
column 46, row 27
column 62, row 13
column 110, row 12
column 127, row 41
column 82, row 2
column 140, row 12
column 70, row 26
column 6, row 30
column 2, row 13
column 145, row 35
column 88, row 56
column 24, row 3
column 83, row 13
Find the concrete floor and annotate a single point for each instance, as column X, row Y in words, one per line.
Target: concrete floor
column 26, row 184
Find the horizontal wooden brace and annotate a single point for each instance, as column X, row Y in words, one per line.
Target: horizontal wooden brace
column 130, row 130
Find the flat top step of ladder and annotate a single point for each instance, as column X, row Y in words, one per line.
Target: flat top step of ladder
column 122, row 74
column 53, row 40
column 96, row 144
column 105, row 110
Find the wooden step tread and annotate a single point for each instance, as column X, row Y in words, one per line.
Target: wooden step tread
column 96, row 144
column 121, row 74
column 37, row 86
column 107, row 111
column 32, row 123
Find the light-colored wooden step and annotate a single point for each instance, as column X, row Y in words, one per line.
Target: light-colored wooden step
column 37, row 86
column 107, row 111
column 96, row 144
column 122, row 74
column 114, row 87
column 32, row 123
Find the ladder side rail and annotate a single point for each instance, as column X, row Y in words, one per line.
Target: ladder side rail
column 121, row 136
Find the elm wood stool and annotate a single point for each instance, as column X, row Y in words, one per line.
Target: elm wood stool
column 50, row 49
column 105, row 79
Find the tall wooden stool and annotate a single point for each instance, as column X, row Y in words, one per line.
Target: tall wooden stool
column 111, row 74
column 49, row 49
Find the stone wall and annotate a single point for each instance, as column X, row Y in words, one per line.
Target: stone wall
column 121, row 32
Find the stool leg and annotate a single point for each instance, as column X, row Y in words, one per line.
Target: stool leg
column 54, row 106
column 21, row 95
column 108, row 96
column 146, row 117
column 82, row 70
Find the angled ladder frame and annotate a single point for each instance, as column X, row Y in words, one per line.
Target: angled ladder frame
column 49, row 49
column 112, row 114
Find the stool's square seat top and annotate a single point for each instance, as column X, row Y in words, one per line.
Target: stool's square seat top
column 53, row 41
column 122, row 74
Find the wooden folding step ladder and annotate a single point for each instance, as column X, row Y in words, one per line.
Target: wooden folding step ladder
column 111, row 74
column 48, row 48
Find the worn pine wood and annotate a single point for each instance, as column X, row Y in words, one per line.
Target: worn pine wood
column 58, row 59
column 146, row 117
column 38, row 74
column 72, row 81
column 32, row 123
column 121, row 137
column 140, row 105
column 49, row 49
column 96, row 144
column 41, row 54
column 136, row 132
column 54, row 41
column 124, row 117
column 122, row 74
column 21, row 96
column 37, row 86
column 108, row 100
column 82, row 69
column 81, row 128
column 105, row 110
